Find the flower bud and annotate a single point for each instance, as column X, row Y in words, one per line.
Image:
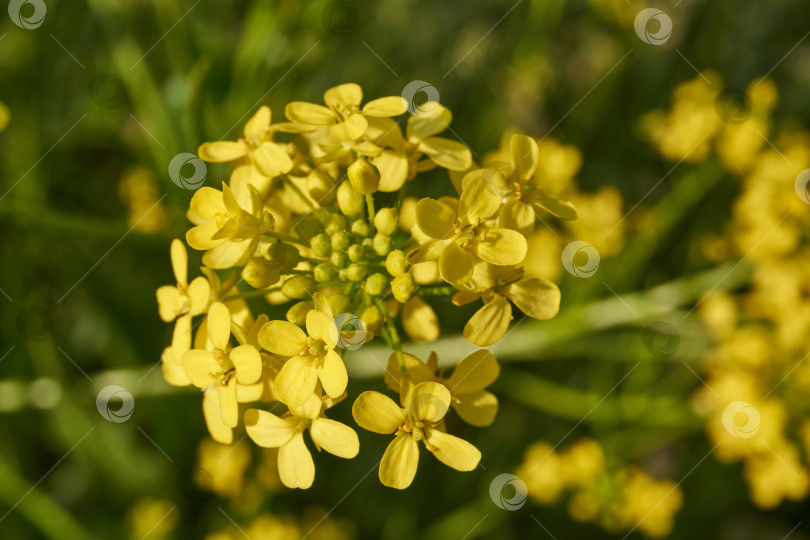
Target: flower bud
column 375, row 284
column 340, row 240
column 372, row 317
column 356, row 253
column 364, row 176
column 382, row 244
column 338, row 259
column 282, row 255
column 320, row 185
column 396, row 263
column 324, row 272
column 339, row 303
column 355, row 272
column 386, row 220
column 297, row 314
column 334, row 223
column 298, row 287
column 260, row 273
column 361, row 228
column 321, row 245
column 403, row 286
column 349, row 200
column 308, row 227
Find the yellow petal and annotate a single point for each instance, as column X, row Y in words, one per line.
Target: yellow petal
column 418, row 371
column 347, row 95
column 206, row 203
column 537, row 298
column 213, row 419
column 451, row 155
column 435, row 219
column 420, row 321
column 256, row 126
column 554, row 205
column 172, row 368
column 349, row 130
column 199, row 366
column 282, row 338
column 295, row 466
column 229, row 254
column 477, row 371
column 377, row 412
column 524, row 154
column 181, row 337
column 179, row 262
column 247, row 362
column 199, row 292
column 503, row 247
column 386, row 106
column 332, row 374
column 222, row 151
column 309, row 113
column 478, row 201
column 436, row 120
column 399, row 463
column 430, row 401
column 489, row 323
column 311, row 408
column 456, row 264
column 271, row 159
column 219, row 325
column 267, row 429
column 518, row 216
column 295, row 381
column 228, row 404
column 477, row 409
column 452, row 451
column 169, row 302
column 393, row 167
column 338, row 439
column 318, row 325
column 202, row 237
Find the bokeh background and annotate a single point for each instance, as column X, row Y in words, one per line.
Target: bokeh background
column 100, row 95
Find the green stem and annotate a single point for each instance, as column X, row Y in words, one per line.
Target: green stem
column 251, row 294
column 286, row 238
column 439, row 290
column 393, row 335
column 290, row 184
column 371, row 213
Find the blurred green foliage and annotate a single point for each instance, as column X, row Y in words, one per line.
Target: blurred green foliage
column 103, row 86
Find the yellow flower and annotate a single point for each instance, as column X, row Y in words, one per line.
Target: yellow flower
column 295, row 466
column 419, row 420
column 400, row 160
column 180, row 303
column 224, row 230
column 466, row 383
column 343, row 114
column 223, row 365
column 268, row 157
column 221, row 468
column 537, row 298
column 460, row 237
column 312, row 356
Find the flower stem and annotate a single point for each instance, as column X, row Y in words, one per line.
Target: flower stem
column 286, row 238
column 371, row 213
column 439, row 290
column 250, row 294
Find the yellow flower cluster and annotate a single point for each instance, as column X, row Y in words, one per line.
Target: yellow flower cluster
column 314, row 216
column 754, row 400
column 139, row 193
column 623, row 500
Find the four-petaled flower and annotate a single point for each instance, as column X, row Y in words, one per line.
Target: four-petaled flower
column 419, row 419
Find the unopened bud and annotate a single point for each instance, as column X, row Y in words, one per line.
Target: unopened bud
column 260, row 273
column 402, row 287
column 349, row 200
column 364, row 176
